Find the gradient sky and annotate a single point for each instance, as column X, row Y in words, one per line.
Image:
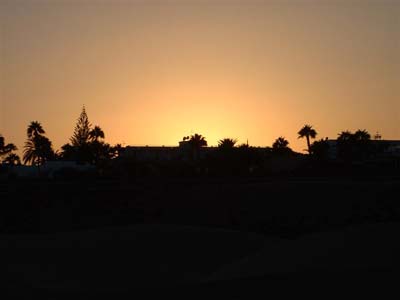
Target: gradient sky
column 150, row 72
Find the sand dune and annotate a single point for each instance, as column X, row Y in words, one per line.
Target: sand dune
column 371, row 247
column 149, row 256
column 119, row 258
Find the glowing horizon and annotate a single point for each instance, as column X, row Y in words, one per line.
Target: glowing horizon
column 150, row 73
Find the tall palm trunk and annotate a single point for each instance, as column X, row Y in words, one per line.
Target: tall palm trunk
column 308, row 144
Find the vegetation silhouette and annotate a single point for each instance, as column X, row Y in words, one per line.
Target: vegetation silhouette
column 96, row 133
column 82, row 130
column 354, row 146
column 193, row 158
column 320, row 149
column 196, row 142
column 12, row 159
column 281, row 146
column 6, row 155
column 87, row 144
column 308, row 132
column 38, row 148
column 34, row 129
column 227, row 143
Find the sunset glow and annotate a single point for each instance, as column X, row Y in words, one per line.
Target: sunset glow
column 151, row 72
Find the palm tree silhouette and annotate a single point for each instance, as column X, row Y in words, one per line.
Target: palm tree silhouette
column 35, row 129
column 308, row 132
column 96, row 133
column 280, row 143
column 37, row 148
column 354, row 146
column 197, row 141
column 227, row 143
column 362, row 135
column 281, row 146
column 345, row 136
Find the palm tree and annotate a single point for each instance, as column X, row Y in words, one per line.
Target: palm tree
column 30, row 155
column 227, row 143
column 281, row 146
column 354, row 146
column 197, row 141
column 96, row 133
column 362, row 144
column 308, row 132
column 345, row 136
column 35, row 129
column 362, row 135
column 345, row 145
column 37, row 148
column 280, row 143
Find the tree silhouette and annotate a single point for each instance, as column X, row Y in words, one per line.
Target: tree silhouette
column 281, row 146
column 6, row 148
column 96, row 133
column 280, row 143
column 34, row 129
column 345, row 145
column 320, row 149
column 82, row 130
column 12, row 159
column 87, row 145
column 38, row 148
column 308, row 132
column 345, row 136
column 227, row 143
column 116, row 151
column 80, row 149
column 197, row 141
column 362, row 135
column 354, row 146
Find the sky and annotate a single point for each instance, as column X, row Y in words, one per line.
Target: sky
column 150, row 72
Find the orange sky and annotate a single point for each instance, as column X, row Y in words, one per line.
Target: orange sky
column 151, row 72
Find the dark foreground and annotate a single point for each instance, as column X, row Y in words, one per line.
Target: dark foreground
column 194, row 262
column 192, row 238
column 283, row 207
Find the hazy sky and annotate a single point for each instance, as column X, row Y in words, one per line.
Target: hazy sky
column 150, row 72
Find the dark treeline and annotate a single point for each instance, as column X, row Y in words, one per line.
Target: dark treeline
column 354, row 152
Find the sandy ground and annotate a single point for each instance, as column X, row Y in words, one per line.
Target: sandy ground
column 118, row 260
column 370, row 247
